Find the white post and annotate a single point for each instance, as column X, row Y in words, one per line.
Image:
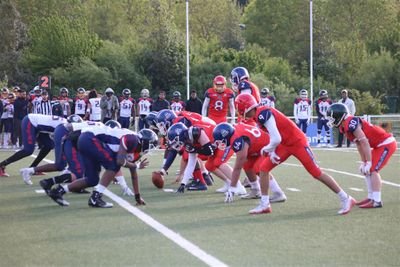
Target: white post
column 187, row 51
column 311, row 59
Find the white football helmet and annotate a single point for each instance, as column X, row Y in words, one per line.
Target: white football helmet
column 145, row 93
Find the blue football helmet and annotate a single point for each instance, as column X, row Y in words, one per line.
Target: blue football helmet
column 74, row 118
column 57, row 110
column 151, row 119
column 222, row 135
column 113, row 124
column 238, row 74
column 148, row 140
column 177, row 136
column 164, row 120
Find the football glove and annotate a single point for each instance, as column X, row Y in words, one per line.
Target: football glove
column 230, row 195
column 365, row 167
column 126, row 191
column 181, row 189
column 275, row 159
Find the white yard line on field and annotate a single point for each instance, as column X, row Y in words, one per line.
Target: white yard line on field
column 345, row 173
column 165, row 231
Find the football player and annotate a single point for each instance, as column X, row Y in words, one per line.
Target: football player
column 266, row 98
column 239, row 75
column 321, row 106
column 111, row 148
column 127, row 112
column 165, row 119
column 93, row 111
column 144, row 106
column 65, row 101
column 36, row 127
column 374, row 144
column 286, row 139
column 81, row 103
column 216, row 101
column 302, row 110
column 246, row 140
column 177, row 104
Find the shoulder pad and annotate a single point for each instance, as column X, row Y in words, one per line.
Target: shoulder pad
column 264, row 116
column 353, row 124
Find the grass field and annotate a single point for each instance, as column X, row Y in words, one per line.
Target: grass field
column 303, row 231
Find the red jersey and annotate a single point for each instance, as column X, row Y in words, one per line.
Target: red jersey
column 195, row 119
column 290, row 133
column 219, row 102
column 249, row 133
column 374, row 134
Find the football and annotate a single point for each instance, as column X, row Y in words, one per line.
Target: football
column 157, row 179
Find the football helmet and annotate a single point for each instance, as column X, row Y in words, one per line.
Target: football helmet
column 126, row 93
column 74, row 118
column 151, row 119
column 323, row 94
column 113, row 124
column 264, row 91
column 239, row 74
column 336, row 114
column 148, row 139
column 109, row 91
column 176, row 95
column 145, row 93
column 63, row 90
column 244, row 103
column 37, row 91
column 57, row 110
column 164, row 120
column 219, row 80
column 177, row 136
column 303, row 94
column 222, row 134
column 81, row 91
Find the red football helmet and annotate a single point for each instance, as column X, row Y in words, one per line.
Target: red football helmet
column 219, row 80
column 244, row 103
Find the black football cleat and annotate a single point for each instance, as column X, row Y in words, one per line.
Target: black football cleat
column 56, row 194
column 96, row 201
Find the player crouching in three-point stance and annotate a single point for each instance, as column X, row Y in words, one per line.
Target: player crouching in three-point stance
column 286, row 139
column 374, row 145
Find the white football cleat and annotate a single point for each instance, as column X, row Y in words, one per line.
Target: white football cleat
column 223, row 189
column 240, row 190
column 347, row 205
column 26, row 174
column 260, row 209
column 253, row 194
column 278, row 197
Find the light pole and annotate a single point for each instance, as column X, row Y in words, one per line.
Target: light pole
column 311, row 58
column 187, row 52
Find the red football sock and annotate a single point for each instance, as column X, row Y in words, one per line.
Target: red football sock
column 198, row 176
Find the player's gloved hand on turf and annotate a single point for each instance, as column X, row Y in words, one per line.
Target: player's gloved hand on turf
column 126, row 191
column 190, row 149
column 181, row 189
column 365, row 167
column 139, row 200
column 230, row 195
column 275, row 159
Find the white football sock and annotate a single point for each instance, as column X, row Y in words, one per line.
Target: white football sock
column 376, row 196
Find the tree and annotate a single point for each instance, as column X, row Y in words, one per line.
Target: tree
column 12, row 39
column 56, row 41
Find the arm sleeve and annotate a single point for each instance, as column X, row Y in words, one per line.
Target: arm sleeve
column 205, row 106
column 295, row 110
column 170, row 158
column 232, row 110
column 275, row 136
